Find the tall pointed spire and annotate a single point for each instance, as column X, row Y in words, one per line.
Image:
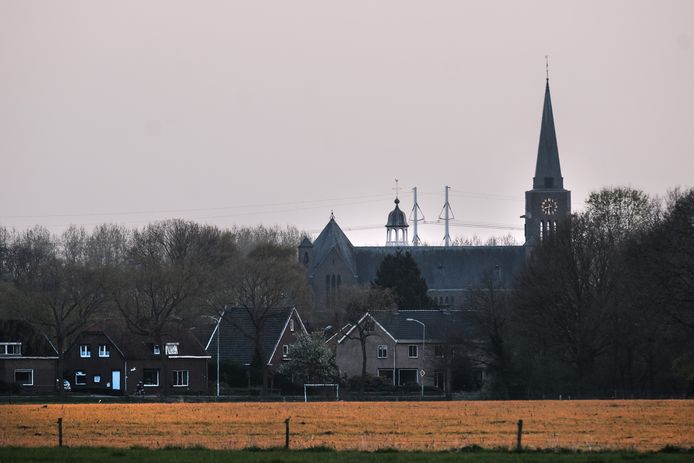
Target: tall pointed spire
column 548, row 170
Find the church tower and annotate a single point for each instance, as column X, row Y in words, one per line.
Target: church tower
column 548, row 204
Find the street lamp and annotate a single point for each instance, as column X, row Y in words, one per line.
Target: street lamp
column 424, row 331
column 217, row 329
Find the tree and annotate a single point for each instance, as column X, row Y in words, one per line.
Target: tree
column 171, row 267
column 267, row 279
column 354, row 303
column 312, row 361
column 56, row 283
column 569, row 295
column 399, row 273
column 491, row 315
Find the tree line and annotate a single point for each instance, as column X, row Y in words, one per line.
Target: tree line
column 167, row 272
column 603, row 308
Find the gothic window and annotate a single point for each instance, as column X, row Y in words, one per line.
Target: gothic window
column 332, row 281
column 339, row 281
column 305, row 257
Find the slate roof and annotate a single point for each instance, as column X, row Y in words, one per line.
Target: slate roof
column 34, row 342
column 332, row 238
column 547, row 152
column 137, row 347
column 452, row 267
column 236, row 325
column 440, row 325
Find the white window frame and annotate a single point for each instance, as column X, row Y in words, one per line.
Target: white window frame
column 83, row 376
column 156, row 349
column 5, row 348
column 183, row 375
column 104, row 351
column 285, row 351
column 143, row 377
column 382, row 351
column 25, row 370
column 416, row 351
column 171, row 348
column 85, row 351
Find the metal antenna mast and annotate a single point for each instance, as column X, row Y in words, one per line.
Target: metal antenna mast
column 447, row 213
column 414, row 217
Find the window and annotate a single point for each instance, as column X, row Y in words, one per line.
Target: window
column 97, row 378
column 150, row 377
column 80, row 378
column 104, row 350
column 85, row 350
column 291, row 325
column 407, row 376
column 156, row 350
column 285, row 351
column 383, row 352
column 24, row 377
column 180, row 378
column 171, row 348
column 386, row 373
column 439, row 379
column 413, row 351
column 438, row 351
column 10, row 348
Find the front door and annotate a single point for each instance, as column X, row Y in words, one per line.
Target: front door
column 115, row 380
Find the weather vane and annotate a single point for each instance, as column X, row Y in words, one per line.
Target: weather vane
column 547, row 66
column 397, row 188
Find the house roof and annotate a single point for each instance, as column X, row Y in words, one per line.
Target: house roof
column 34, row 341
column 440, row 325
column 138, row 347
column 237, row 331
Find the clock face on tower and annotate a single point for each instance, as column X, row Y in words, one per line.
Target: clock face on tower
column 549, row 206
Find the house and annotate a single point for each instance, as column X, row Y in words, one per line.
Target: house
column 405, row 347
column 108, row 357
column 235, row 333
column 28, row 360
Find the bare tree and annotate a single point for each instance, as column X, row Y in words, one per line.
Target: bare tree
column 170, row 268
column 353, row 304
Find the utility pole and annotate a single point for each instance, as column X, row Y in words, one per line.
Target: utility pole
column 414, row 217
column 447, row 213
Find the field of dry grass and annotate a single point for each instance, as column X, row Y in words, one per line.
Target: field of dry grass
column 585, row 425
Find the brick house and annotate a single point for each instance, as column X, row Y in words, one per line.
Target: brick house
column 109, row 358
column 396, row 351
column 28, row 360
column 236, row 330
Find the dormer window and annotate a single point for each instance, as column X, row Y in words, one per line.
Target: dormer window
column 171, row 348
column 104, row 350
column 10, row 348
column 156, row 350
column 85, row 351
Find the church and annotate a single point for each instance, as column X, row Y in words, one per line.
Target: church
column 332, row 262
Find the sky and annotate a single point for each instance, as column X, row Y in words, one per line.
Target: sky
column 279, row 112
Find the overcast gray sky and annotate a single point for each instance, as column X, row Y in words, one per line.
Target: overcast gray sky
column 276, row 112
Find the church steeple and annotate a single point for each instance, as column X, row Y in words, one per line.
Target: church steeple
column 548, row 170
column 548, row 204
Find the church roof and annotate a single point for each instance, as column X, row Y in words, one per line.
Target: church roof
column 448, row 267
column 396, row 218
column 332, row 238
column 547, row 169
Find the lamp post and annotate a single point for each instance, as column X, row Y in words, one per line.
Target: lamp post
column 217, row 329
column 424, row 331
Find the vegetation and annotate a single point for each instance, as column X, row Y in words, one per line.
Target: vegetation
column 400, row 274
column 576, row 425
column 195, row 454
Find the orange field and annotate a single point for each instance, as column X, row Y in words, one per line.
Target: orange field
column 586, row 425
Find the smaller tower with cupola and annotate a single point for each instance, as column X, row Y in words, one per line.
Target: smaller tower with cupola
column 396, row 228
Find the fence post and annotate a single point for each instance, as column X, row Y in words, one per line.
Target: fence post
column 519, row 446
column 60, row 432
column 286, row 433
